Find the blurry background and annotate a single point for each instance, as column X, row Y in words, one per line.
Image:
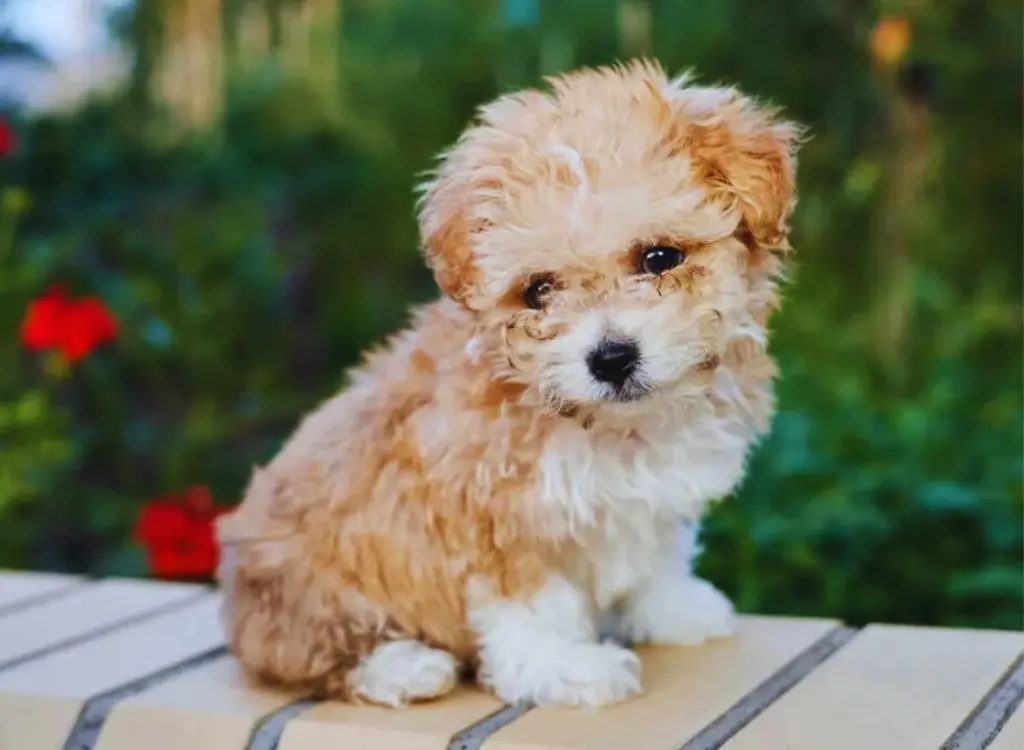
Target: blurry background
column 230, row 183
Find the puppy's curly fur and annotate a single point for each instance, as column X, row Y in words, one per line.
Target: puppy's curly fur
column 483, row 494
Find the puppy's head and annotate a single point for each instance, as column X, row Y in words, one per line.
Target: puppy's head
column 619, row 230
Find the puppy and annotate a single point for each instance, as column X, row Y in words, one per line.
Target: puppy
column 523, row 462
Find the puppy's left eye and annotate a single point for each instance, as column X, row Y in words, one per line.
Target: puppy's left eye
column 660, row 258
column 539, row 290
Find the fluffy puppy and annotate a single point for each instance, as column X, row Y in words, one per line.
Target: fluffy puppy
column 525, row 459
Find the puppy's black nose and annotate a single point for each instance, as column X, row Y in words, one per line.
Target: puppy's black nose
column 613, row 361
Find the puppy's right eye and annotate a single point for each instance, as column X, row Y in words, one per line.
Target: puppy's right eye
column 660, row 259
column 539, row 291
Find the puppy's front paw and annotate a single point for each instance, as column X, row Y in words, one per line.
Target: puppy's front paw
column 578, row 674
column 683, row 611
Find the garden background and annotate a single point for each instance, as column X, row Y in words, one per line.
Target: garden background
column 191, row 257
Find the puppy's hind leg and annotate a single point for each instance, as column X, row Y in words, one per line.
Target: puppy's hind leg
column 403, row 671
column 302, row 626
column 346, row 651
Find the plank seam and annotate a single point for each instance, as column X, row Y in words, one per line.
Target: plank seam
column 474, row 736
column 103, row 630
column 984, row 723
column 267, row 733
column 751, row 705
column 46, row 596
column 94, row 713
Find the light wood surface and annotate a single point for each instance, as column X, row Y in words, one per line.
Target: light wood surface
column 140, row 665
column 83, row 610
column 211, row 707
column 891, row 687
column 19, row 586
column 419, row 727
column 685, row 690
column 41, row 699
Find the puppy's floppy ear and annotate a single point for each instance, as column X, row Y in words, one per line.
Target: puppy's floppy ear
column 449, row 220
column 745, row 154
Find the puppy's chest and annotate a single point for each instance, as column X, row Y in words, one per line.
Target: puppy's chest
column 621, row 554
column 653, row 476
column 624, row 500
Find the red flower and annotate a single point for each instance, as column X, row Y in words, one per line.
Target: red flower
column 177, row 533
column 75, row 327
column 7, row 140
column 43, row 320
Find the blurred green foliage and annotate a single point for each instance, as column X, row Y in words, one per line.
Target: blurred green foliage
column 250, row 261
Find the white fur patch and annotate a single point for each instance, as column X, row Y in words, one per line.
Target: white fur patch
column 474, row 349
column 400, row 672
column 571, row 157
column 678, row 610
column 545, row 651
column 625, row 496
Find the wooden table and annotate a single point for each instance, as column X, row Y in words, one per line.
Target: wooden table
column 140, row 665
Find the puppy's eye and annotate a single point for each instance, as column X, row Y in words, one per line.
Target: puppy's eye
column 659, row 259
column 539, row 291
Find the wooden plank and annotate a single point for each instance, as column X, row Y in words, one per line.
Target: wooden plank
column 41, row 700
column 86, row 610
column 211, row 707
column 891, row 688
column 18, row 587
column 426, row 726
column 1012, row 735
column 685, row 690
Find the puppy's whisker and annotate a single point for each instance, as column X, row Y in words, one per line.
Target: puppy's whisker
column 668, row 279
column 553, row 402
column 505, row 331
